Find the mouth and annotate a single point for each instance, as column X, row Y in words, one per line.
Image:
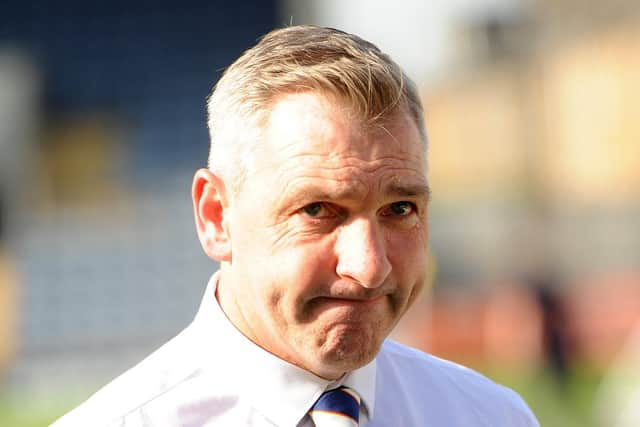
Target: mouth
column 351, row 302
column 348, row 309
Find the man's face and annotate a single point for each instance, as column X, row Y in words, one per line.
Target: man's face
column 328, row 235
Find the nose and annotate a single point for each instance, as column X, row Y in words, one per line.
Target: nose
column 362, row 254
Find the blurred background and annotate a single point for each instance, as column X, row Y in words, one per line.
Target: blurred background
column 533, row 114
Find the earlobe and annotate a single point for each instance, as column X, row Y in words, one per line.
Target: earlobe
column 209, row 208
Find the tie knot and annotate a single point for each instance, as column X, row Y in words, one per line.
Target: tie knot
column 337, row 407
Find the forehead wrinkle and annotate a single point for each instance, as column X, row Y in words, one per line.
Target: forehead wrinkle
column 350, row 173
column 330, row 188
column 332, row 161
column 354, row 187
column 404, row 181
column 408, row 190
column 347, row 167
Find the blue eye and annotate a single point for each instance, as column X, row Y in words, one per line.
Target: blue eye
column 313, row 209
column 401, row 208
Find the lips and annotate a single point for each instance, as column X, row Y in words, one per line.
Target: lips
column 355, row 292
column 351, row 301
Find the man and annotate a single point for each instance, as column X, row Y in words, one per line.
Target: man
column 315, row 205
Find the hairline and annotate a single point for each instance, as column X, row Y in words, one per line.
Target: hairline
column 259, row 121
column 238, row 117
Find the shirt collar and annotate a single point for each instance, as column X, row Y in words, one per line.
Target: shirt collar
column 282, row 392
column 363, row 381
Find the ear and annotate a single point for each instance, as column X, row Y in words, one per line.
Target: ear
column 209, row 207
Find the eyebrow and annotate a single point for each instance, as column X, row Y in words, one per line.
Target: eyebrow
column 408, row 190
column 414, row 190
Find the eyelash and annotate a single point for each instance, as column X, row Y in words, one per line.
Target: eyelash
column 333, row 212
column 411, row 205
column 321, row 205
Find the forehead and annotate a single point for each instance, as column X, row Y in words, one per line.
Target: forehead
column 313, row 146
column 317, row 125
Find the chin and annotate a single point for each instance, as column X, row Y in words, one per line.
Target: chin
column 334, row 367
column 344, row 350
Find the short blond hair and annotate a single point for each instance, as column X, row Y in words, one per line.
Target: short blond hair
column 296, row 59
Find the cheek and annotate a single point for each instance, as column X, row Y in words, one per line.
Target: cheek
column 300, row 272
column 312, row 266
column 408, row 252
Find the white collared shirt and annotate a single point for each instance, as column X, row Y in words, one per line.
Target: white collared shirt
column 212, row 375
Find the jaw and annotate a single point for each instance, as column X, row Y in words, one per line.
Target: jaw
column 332, row 336
column 330, row 351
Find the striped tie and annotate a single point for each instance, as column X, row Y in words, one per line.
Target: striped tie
column 339, row 407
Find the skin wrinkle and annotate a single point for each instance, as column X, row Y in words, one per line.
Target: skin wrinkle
column 329, row 158
column 358, row 132
column 346, row 200
column 350, row 197
column 345, row 68
column 323, row 291
column 417, row 194
column 349, row 165
column 291, row 190
column 356, row 294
